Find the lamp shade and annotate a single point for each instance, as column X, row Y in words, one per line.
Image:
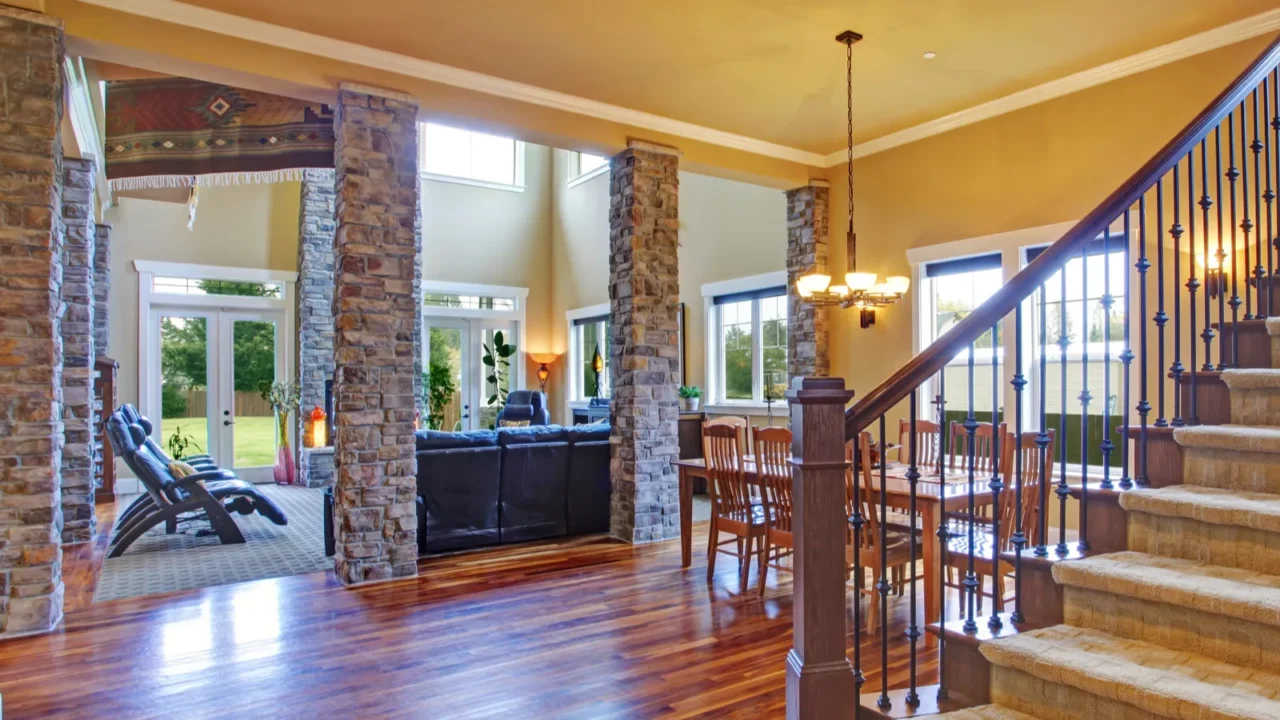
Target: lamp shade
column 543, row 358
column 812, row 283
column 898, row 284
column 597, row 362
column 860, row 281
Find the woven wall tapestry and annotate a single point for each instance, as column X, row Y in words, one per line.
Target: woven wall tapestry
column 176, row 132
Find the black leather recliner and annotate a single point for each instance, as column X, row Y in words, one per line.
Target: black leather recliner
column 458, row 481
column 522, row 405
column 535, row 470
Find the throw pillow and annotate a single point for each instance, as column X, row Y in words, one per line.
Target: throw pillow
column 180, row 469
column 513, row 423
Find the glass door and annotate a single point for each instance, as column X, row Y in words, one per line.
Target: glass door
column 184, row 383
column 448, row 378
column 493, row 386
column 249, row 361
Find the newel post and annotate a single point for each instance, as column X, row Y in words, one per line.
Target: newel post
column 820, row 679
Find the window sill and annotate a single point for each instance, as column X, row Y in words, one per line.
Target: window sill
column 584, row 177
column 745, row 408
column 469, row 181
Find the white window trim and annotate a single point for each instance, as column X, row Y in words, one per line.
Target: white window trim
column 517, row 315
column 149, row 342
column 574, row 360
column 1013, row 247
column 581, row 178
column 518, row 186
column 713, row 394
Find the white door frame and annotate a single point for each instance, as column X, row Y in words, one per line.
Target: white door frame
column 227, row 392
column 150, row 299
column 463, row 326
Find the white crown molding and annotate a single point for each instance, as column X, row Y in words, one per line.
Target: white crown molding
column 180, row 13
column 1228, row 34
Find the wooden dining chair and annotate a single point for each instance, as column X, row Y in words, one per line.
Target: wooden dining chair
column 732, row 509
column 773, row 469
column 929, row 450
column 734, row 421
column 957, row 556
column 983, row 438
column 860, row 490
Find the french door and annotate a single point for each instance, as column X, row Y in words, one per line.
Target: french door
column 455, row 346
column 212, row 369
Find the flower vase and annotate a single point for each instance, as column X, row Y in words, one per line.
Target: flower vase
column 284, row 472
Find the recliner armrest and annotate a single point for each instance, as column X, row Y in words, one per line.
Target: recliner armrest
column 196, row 478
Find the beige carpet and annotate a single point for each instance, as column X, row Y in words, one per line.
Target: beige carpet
column 160, row 563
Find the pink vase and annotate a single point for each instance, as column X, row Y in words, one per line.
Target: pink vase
column 284, row 472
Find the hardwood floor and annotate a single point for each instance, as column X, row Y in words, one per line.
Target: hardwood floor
column 584, row 628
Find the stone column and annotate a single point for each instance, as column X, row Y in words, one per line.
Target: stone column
column 78, row 355
column 101, row 288
column 30, row 329
column 644, row 294
column 377, row 258
column 315, row 287
column 807, row 336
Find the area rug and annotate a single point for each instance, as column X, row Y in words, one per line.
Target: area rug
column 160, row 563
column 169, row 132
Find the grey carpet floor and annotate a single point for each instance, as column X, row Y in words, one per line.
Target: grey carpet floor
column 159, row 563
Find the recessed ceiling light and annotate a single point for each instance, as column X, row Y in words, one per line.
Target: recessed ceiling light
column 930, row 55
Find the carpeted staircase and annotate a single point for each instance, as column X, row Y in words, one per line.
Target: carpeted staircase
column 1186, row 623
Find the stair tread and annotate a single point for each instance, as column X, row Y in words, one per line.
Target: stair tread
column 985, row 712
column 1216, row 506
column 1273, row 326
column 1231, row 592
column 1252, row 379
column 1243, row 438
column 1157, row 680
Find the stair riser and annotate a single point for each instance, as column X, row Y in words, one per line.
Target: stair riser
column 1224, row 545
column 1046, row 700
column 1275, row 351
column 1213, row 401
column 1239, row 642
column 1255, row 407
column 1231, row 469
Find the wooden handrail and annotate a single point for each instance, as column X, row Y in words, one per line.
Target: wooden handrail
column 1006, row 299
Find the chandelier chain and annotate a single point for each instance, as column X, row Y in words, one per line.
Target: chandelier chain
column 852, row 261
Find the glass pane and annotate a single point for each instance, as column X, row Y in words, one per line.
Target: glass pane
column 773, row 326
column 191, row 286
column 588, row 340
column 184, row 385
column 254, row 365
column 446, row 150
column 444, row 379
column 588, row 162
column 493, row 158
column 495, row 392
column 736, row 342
column 471, row 302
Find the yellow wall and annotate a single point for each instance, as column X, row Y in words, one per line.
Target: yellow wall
column 248, row 226
column 1048, row 163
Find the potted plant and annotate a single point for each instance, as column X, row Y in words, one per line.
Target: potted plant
column 690, row 396
column 437, row 393
column 283, row 398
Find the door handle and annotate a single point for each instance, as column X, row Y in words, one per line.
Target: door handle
column 228, row 422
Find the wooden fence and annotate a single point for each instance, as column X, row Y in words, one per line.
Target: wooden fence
column 247, row 405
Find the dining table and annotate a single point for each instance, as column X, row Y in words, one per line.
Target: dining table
column 937, row 495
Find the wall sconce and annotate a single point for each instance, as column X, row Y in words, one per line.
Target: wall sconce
column 544, row 373
column 1215, row 276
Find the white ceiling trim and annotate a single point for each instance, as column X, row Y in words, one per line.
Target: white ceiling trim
column 181, row 13
column 1228, row 34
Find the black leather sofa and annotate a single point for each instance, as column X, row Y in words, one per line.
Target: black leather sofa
column 511, row 485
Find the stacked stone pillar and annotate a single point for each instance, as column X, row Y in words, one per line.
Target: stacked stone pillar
column 377, row 256
column 644, row 296
column 78, row 355
column 101, row 288
column 30, row 334
column 807, row 246
column 315, row 286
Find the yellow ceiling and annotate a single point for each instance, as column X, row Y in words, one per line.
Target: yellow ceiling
column 768, row 69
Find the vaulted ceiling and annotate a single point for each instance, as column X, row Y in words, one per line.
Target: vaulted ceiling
column 767, row 69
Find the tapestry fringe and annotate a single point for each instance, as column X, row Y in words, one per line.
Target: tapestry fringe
column 212, row 179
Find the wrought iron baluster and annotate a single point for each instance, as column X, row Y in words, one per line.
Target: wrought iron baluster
column 1233, row 174
column 1246, row 224
column 944, row 536
column 1106, row 446
column 971, row 577
column 1161, row 318
column 1085, row 398
column 1144, row 405
column 1019, row 537
column 1042, row 438
column 1206, row 203
column 1269, row 195
column 1193, row 284
column 1256, row 146
column 1273, row 230
column 1062, row 491
column 913, row 478
column 1222, row 255
column 995, row 484
column 1176, row 369
column 883, row 586
column 857, row 521
column 1126, row 360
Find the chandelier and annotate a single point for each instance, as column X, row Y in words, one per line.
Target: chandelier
column 861, row 290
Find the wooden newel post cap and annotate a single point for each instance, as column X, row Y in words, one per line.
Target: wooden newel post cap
column 819, row 391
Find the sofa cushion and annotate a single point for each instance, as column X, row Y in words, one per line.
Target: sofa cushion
column 532, row 434
column 440, row 440
column 587, row 433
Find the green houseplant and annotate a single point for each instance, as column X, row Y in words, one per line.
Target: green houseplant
column 283, row 398
column 690, row 396
column 437, row 392
column 497, row 359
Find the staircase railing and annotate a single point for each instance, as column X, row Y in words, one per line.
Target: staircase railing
column 1200, row 220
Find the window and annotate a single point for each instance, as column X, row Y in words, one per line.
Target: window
column 1077, row 311
column 470, row 302
column 590, row 334
column 585, row 164
column 195, row 286
column 952, row 290
column 751, row 340
column 450, row 153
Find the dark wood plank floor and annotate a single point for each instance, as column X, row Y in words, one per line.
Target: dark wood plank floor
column 584, row 628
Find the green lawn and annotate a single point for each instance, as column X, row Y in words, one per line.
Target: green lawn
column 255, row 438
